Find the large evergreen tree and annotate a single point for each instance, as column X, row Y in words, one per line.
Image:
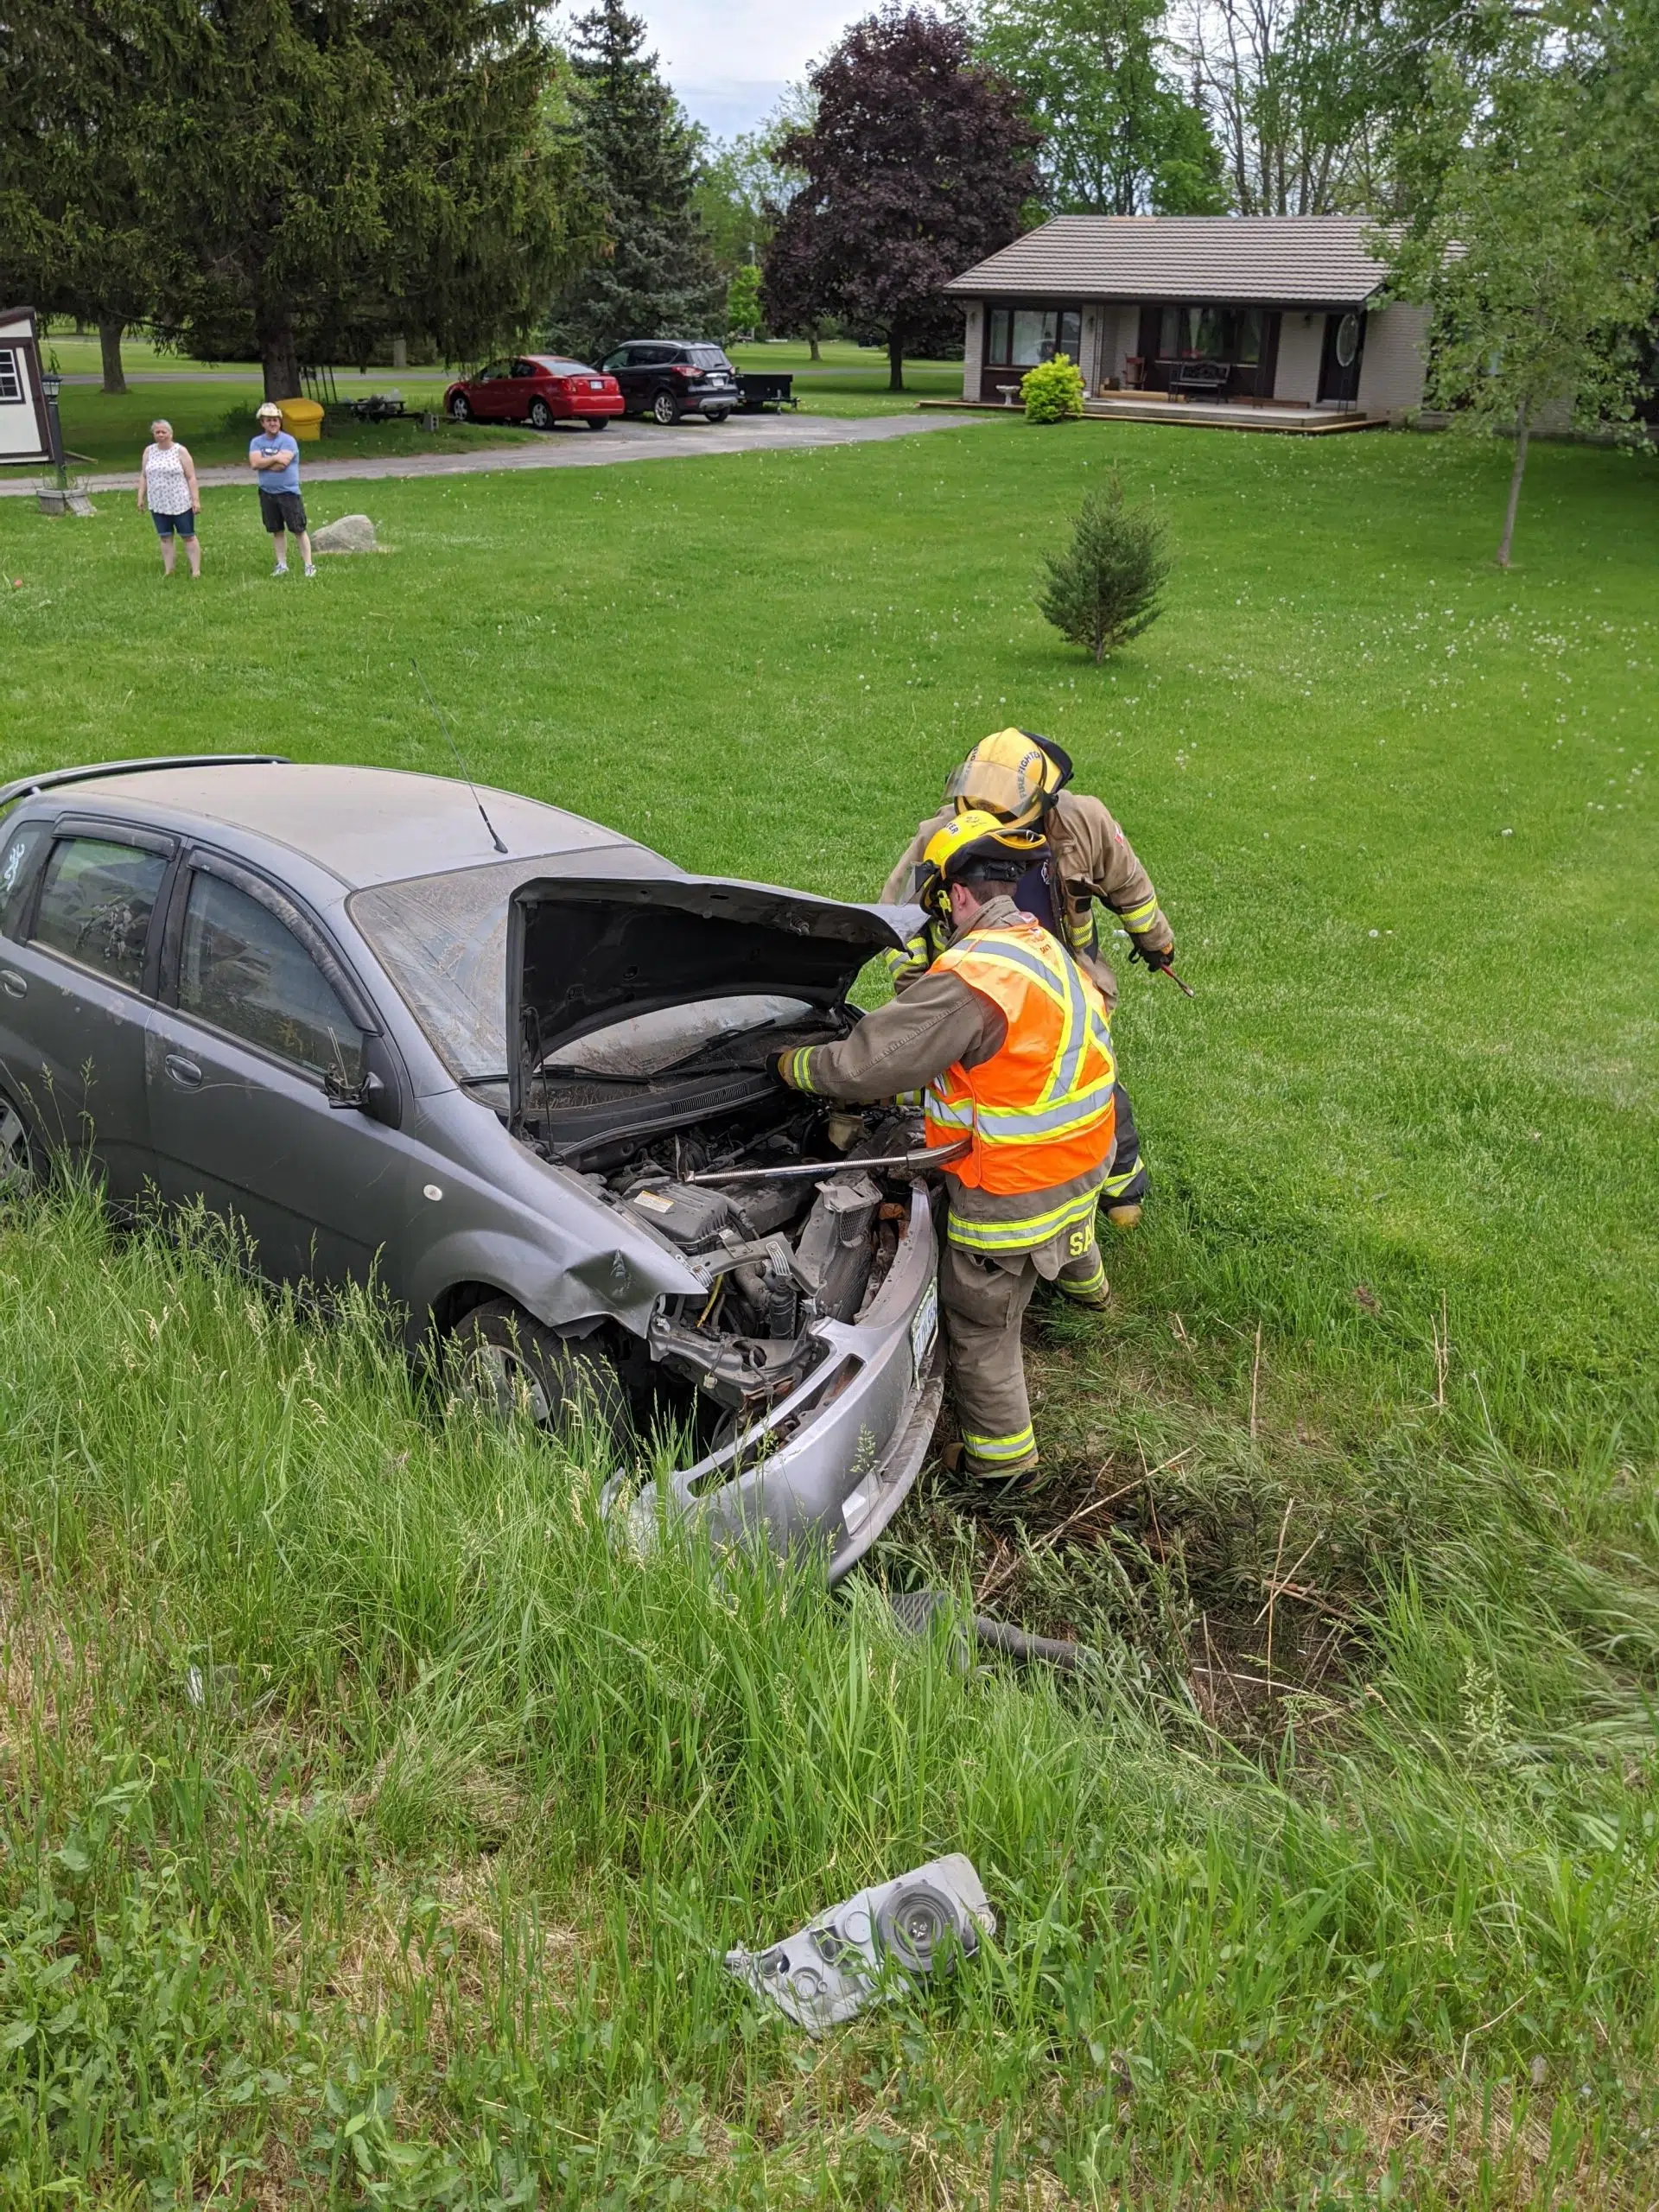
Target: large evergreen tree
column 917, row 165
column 73, row 235
column 655, row 276
column 300, row 175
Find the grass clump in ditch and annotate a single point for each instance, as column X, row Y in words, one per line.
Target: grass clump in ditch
column 375, row 1824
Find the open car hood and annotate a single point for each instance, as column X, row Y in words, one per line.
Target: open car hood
column 582, row 953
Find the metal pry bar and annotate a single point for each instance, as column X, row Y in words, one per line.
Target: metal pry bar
column 802, row 1170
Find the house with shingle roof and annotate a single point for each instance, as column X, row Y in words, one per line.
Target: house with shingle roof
column 1251, row 308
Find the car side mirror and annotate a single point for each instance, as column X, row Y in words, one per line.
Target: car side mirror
column 379, row 1094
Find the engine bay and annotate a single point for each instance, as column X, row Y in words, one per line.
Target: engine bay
column 776, row 1258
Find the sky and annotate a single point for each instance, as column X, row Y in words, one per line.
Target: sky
column 730, row 60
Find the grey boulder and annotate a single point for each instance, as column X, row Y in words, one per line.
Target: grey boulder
column 351, row 534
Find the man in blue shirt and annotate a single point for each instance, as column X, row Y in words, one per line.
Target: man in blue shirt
column 275, row 458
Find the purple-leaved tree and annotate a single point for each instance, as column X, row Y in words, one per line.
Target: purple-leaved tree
column 917, row 164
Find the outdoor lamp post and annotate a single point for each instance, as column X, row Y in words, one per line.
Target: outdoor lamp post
column 51, row 385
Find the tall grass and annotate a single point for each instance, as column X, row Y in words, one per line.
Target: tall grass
column 376, row 1822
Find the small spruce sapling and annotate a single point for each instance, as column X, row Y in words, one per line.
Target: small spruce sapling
column 1054, row 391
column 1103, row 588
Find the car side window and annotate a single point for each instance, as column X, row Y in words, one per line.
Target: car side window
column 246, row 972
column 491, row 373
column 96, row 903
column 522, row 368
column 18, row 852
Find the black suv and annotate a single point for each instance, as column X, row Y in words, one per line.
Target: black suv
column 667, row 378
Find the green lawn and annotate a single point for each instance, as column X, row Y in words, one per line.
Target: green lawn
column 1338, row 1884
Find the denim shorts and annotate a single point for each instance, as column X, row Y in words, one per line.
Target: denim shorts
column 183, row 525
column 281, row 511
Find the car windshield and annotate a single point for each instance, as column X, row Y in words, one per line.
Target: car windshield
column 442, row 939
column 646, row 1043
column 563, row 368
column 707, row 357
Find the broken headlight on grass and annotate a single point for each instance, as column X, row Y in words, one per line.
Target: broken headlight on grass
column 881, row 1941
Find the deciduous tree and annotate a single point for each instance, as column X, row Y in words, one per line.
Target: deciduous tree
column 918, row 163
column 1119, row 136
column 1533, row 244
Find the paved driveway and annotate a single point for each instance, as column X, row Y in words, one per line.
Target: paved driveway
column 580, row 448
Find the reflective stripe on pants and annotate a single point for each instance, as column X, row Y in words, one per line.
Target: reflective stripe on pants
column 1126, row 1180
column 1083, row 1277
column 983, row 1303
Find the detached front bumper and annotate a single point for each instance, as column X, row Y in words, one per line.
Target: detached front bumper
column 834, row 1461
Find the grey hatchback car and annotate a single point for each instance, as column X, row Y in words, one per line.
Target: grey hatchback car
column 503, row 1066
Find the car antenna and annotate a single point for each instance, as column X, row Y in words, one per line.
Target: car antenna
column 455, row 749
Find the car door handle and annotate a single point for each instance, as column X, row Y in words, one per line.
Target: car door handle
column 13, row 985
column 184, row 1072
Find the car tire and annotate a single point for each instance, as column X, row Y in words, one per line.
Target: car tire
column 504, row 1358
column 666, row 408
column 461, row 409
column 19, row 1163
column 597, row 422
column 718, row 414
column 541, row 415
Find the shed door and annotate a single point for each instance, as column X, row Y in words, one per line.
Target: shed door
column 1345, row 348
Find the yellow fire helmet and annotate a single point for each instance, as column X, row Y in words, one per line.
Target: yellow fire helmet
column 1013, row 775
column 976, row 835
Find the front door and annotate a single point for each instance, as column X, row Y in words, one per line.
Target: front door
column 253, row 1021
column 1345, row 348
column 74, row 981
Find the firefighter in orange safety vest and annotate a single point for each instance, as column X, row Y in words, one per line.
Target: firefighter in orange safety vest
column 1022, row 779
column 1007, row 1037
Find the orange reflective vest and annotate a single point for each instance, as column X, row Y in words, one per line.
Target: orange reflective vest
column 1039, row 1110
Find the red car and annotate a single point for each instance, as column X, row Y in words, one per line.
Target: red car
column 540, row 388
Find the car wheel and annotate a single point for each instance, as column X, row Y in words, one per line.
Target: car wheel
column 504, row 1358
column 597, row 422
column 460, row 411
column 718, row 414
column 19, row 1167
column 541, row 415
column 666, row 410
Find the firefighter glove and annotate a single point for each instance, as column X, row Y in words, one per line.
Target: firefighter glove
column 1155, row 956
column 790, row 1068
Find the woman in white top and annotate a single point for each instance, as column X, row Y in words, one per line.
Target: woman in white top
column 167, row 487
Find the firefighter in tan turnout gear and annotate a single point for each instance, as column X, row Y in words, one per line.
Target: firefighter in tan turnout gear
column 1009, row 1038
column 1022, row 779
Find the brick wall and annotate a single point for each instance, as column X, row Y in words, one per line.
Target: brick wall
column 1392, row 369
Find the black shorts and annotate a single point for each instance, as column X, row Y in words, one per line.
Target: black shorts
column 281, row 511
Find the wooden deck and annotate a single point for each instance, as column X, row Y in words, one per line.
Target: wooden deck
column 1202, row 414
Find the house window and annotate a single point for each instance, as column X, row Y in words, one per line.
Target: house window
column 1193, row 333
column 11, row 381
column 1019, row 338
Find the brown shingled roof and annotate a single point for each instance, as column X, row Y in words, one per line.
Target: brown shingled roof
column 1281, row 260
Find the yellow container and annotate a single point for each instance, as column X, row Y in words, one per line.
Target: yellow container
column 301, row 419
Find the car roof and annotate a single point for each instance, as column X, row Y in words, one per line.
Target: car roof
column 364, row 825
column 557, row 361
